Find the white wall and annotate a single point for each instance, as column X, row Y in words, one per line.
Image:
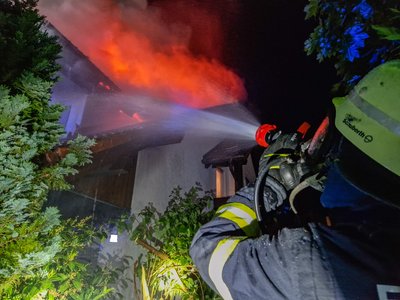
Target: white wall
column 69, row 94
column 160, row 169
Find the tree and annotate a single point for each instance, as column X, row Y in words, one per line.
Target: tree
column 23, row 46
column 38, row 249
column 356, row 35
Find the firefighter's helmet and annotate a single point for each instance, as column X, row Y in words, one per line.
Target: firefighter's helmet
column 369, row 119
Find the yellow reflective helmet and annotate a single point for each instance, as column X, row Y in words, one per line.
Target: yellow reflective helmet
column 369, row 117
column 369, row 120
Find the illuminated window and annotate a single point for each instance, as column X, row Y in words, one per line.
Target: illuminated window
column 218, row 182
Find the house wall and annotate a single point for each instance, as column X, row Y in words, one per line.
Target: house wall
column 225, row 183
column 69, row 94
column 162, row 168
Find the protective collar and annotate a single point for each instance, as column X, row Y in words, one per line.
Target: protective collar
column 339, row 192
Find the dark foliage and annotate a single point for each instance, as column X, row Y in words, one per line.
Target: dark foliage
column 23, row 46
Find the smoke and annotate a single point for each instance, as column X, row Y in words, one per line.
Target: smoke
column 170, row 50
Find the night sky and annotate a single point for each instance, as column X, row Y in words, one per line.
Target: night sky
column 284, row 85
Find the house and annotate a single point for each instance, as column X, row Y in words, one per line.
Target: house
column 218, row 163
column 138, row 158
column 79, row 78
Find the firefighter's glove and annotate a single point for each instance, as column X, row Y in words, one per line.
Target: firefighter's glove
column 282, row 166
column 282, row 143
column 274, row 193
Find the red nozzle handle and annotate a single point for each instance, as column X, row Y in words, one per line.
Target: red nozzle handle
column 263, row 132
column 303, row 128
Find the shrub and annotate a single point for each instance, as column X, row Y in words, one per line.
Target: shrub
column 167, row 271
column 355, row 35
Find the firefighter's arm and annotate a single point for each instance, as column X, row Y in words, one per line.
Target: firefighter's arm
column 231, row 256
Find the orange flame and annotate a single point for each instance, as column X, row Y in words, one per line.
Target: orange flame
column 140, row 51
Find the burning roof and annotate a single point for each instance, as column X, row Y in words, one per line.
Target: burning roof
column 169, row 51
column 77, row 67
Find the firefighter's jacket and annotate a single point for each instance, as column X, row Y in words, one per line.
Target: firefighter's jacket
column 354, row 259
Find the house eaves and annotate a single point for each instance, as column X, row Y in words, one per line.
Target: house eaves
column 78, row 68
column 228, row 152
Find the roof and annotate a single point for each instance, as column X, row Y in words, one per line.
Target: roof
column 228, row 152
column 77, row 67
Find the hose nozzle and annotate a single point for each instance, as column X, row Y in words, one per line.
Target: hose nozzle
column 264, row 134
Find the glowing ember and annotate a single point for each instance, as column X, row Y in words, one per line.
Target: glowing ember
column 137, row 117
column 139, row 51
column 104, row 86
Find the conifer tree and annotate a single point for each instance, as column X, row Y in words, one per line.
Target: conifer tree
column 38, row 249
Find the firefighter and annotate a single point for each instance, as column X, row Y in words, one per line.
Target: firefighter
column 355, row 254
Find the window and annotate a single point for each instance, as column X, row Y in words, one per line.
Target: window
column 224, row 183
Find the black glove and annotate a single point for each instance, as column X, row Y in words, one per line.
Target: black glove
column 274, row 194
column 282, row 164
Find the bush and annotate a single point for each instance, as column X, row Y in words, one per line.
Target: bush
column 355, row 35
column 167, row 270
